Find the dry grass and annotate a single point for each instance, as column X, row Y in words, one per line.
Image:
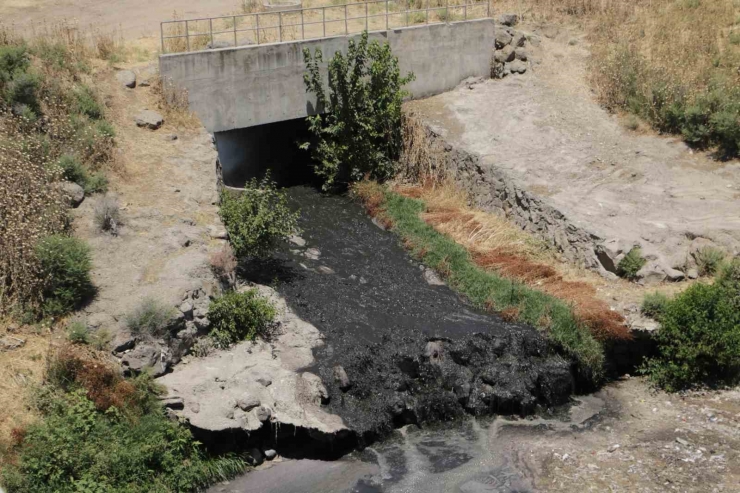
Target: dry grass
column 173, row 102
column 419, row 162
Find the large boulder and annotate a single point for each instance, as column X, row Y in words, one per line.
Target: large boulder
column 74, row 193
column 145, row 357
column 503, row 38
column 127, row 78
column 505, row 54
column 508, row 19
column 149, row 119
column 609, row 253
column 651, row 273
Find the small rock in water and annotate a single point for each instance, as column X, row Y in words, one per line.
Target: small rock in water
column 341, row 378
column 297, row 240
column 325, row 270
column 270, row 454
column 313, row 253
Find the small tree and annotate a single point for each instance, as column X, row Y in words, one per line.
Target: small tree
column 257, row 218
column 357, row 131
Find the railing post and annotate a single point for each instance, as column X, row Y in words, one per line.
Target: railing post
column 465, row 10
column 447, row 11
column 488, row 8
column 187, row 35
column 280, row 26
column 235, row 42
column 346, row 29
column 366, row 16
column 407, row 13
column 257, row 16
column 426, row 17
column 303, row 30
column 210, row 28
column 386, row 15
column 161, row 35
column 323, row 19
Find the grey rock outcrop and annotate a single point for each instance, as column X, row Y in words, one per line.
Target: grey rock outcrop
column 127, row 78
column 651, row 273
column 145, row 357
column 149, row 119
column 508, row 19
column 506, row 54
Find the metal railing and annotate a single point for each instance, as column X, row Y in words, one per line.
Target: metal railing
column 186, row 35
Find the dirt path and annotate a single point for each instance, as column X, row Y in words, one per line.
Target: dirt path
column 545, row 131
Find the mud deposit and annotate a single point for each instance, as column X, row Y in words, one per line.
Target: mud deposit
column 413, row 352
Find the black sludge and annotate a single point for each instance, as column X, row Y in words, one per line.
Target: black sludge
column 409, row 352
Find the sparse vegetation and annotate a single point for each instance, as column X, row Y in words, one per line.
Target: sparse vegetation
column 699, row 338
column 484, row 289
column 101, row 433
column 357, row 130
column 77, row 333
column 654, row 305
column 257, row 218
column 239, row 316
column 65, row 268
column 107, row 214
column 223, row 264
column 631, row 263
column 709, row 260
column 151, row 318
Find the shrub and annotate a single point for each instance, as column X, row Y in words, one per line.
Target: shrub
column 107, row 214
column 23, row 90
column 65, row 266
column 223, row 264
column 151, row 317
column 357, row 130
column 699, row 339
column 203, row 347
column 257, row 218
column 86, row 103
column 77, row 333
column 631, row 263
column 239, row 316
column 709, row 260
column 74, row 171
column 100, row 433
column 654, row 305
column 13, row 59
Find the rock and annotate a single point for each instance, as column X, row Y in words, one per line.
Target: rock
column 518, row 40
column 651, row 273
column 216, row 45
column 377, row 223
column 505, row 54
column 693, row 273
column 195, row 407
column 313, row 253
column 144, row 83
column 9, row 343
column 534, row 40
column 187, row 309
column 255, row 457
column 127, row 78
column 313, row 389
column 508, row 19
column 609, row 253
column 264, row 381
column 503, row 38
column 149, row 119
column 674, row 275
column 521, row 54
column 263, row 413
column 219, row 234
column 325, row 270
column 432, row 278
column 170, row 137
column 297, row 240
column 122, row 341
column 75, row 194
column 247, row 403
column 612, row 448
column 144, row 356
column 681, row 441
column 434, row 351
column 270, row 454
column 517, row 67
column 340, row 376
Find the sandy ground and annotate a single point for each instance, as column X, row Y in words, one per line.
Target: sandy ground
column 546, row 131
column 132, row 18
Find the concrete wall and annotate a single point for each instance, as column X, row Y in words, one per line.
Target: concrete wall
column 241, row 87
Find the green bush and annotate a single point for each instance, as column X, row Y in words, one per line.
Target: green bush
column 65, row 266
column 709, row 260
column 77, row 333
column 357, row 130
column 631, row 263
column 654, row 305
column 237, row 317
column 74, row 171
column 23, row 90
column 257, row 218
column 77, row 448
column 13, row 59
column 152, row 317
column 699, row 339
column 86, row 103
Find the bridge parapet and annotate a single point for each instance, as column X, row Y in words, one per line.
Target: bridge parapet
column 300, row 24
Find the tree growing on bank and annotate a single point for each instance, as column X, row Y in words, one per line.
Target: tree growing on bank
column 357, row 130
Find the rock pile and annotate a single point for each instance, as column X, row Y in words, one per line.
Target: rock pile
column 510, row 55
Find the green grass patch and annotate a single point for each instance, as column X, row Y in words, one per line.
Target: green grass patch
column 487, row 290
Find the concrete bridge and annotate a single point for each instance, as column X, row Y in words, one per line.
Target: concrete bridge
column 253, row 98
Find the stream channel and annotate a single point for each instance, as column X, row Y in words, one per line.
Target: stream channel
column 427, row 372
